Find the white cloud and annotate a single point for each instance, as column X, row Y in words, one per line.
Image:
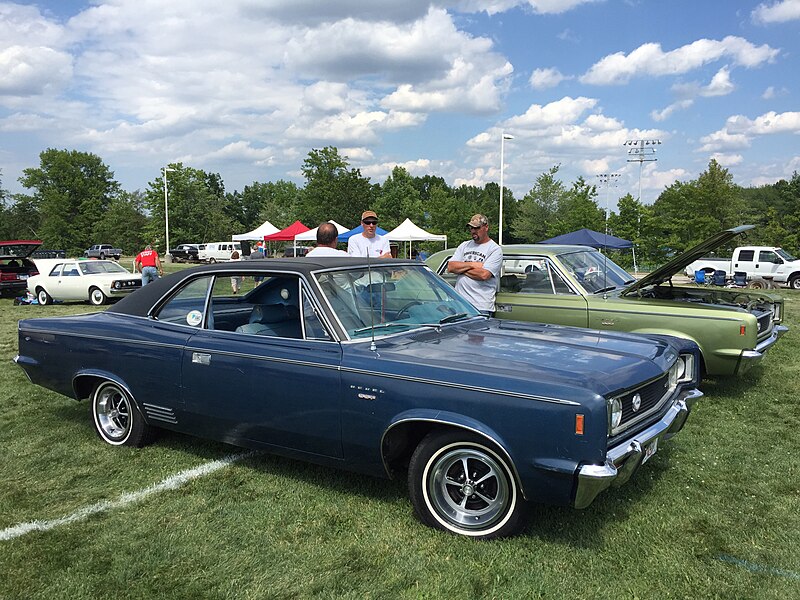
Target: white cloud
column 778, row 12
column 720, row 85
column 723, row 140
column 727, row 160
column 492, row 7
column 379, row 172
column 546, row 78
column 770, row 123
column 665, row 113
column 650, row 60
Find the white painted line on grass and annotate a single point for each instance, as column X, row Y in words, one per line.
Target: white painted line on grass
column 756, row 568
column 170, row 483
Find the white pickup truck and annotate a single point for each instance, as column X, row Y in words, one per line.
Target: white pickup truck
column 758, row 262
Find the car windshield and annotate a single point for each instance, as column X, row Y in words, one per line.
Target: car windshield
column 391, row 299
column 95, row 267
column 596, row 272
column 785, row 255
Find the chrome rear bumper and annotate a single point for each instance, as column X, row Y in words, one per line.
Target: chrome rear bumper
column 623, row 460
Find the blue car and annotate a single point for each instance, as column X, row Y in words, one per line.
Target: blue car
column 378, row 367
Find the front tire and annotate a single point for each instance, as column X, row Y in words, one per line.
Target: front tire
column 97, row 297
column 42, row 297
column 116, row 419
column 460, row 483
column 794, row 282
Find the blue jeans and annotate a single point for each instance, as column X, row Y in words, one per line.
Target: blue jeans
column 149, row 275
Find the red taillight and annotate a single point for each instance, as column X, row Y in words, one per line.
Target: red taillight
column 578, row 424
column 742, row 329
column 8, row 276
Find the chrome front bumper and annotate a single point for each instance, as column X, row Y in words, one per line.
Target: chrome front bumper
column 623, row 460
column 749, row 358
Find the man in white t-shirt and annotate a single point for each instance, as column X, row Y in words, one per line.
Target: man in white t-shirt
column 326, row 242
column 368, row 243
column 477, row 263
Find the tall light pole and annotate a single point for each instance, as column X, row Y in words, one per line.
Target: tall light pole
column 503, row 137
column 608, row 180
column 641, row 151
column 167, row 255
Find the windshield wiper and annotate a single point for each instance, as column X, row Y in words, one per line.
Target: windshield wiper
column 383, row 326
column 451, row 318
column 605, row 289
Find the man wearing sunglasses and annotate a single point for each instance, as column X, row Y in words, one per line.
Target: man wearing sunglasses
column 477, row 263
column 368, row 243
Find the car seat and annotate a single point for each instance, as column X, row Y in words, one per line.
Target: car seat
column 279, row 320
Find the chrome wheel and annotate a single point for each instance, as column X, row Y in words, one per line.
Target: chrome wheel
column 459, row 482
column 794, row 283
column 116, row 418
column 468, row 488
column 112, row 413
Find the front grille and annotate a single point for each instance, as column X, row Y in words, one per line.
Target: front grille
column 764, row 321
column 649, row 397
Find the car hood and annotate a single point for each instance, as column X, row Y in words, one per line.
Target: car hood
column 533, row 356
column 18, row 248
column 680, row 262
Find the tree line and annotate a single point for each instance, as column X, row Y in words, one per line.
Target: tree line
column 74, row 201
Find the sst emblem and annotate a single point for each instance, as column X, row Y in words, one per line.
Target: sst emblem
column 637, row 402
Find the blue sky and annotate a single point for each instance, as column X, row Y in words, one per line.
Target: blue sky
column 246, row 88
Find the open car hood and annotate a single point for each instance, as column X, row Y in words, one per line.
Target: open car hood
column 680, row 262
column 18, row 248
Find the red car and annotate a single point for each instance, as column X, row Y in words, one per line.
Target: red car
column 16, row 265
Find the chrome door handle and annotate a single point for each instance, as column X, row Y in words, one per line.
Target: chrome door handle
column 201, row 358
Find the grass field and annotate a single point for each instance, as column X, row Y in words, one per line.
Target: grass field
column 714, row 514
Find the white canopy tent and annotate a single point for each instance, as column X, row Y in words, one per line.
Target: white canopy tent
column 266, row 228
column 407, row 231
column 311, row 234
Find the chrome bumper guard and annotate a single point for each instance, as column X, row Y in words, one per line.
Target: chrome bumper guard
column 623, row 460
column 749, row 358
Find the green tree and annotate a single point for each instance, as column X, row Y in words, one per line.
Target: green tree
column 536, row 212
column 198, row 210
column 448, row 215
column 125, row 222
column 275, row 202
column 72, row 192
column 398, row 200
column 628, row 225
column 332, row 190
column 578, row 209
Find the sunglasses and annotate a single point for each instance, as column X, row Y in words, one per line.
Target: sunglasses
column 369, row 222
column 474, row 227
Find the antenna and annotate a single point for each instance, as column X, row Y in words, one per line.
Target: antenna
column 372, row 345
column 607, row 179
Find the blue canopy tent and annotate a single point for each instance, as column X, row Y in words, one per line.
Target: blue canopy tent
column 343, row 237
column 595, row 239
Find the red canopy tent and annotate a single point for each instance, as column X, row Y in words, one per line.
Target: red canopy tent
column 287, row 235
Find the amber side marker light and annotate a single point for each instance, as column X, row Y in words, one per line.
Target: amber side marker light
column 578, row 424
column 742, row 329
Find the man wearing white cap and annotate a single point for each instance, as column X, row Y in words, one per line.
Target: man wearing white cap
column 369, row 243
column 477, row 263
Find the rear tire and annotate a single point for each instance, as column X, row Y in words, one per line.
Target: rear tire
column 102, row 256
column 116, row 418
column 212, row 260
column 43, row 297
column 460, row 483
column 758, row 284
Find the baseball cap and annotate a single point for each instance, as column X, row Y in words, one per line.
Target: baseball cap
column 369, row 213
column 478, row 220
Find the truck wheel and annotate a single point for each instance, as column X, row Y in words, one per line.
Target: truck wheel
column 212, row 260
column 794, row 282
column 758, row 284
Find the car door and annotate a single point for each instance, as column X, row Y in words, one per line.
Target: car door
column 278, row 386
column 69, row 283
column 533, row 289
column 767, row 263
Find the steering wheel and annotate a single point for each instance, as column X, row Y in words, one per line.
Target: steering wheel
column 405, row 308
column 591, row 281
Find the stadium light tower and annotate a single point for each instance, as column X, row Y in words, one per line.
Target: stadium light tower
column 503, row 137
column 608, row 180
column 167, row 255
column 641, row 151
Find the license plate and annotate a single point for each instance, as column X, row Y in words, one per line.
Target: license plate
column 650, row 450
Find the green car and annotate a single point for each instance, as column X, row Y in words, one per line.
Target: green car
column 579, row 286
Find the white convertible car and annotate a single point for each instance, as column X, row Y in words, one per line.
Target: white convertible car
column 72, row 279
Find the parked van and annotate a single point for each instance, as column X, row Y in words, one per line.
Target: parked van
column 218, row 251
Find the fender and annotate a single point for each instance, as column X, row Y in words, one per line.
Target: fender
column 78, row 388
column 452, row 420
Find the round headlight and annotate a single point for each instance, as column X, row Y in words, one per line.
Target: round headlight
column 616, row 413
column 681, row 367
